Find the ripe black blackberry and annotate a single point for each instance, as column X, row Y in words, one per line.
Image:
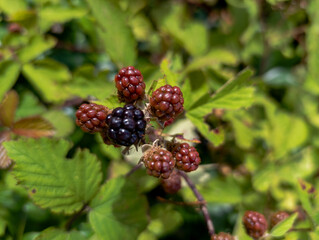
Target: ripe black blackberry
column 222, row 236
column 130, row 85
column 187, row 157
column 172, row 184
column 126, row 126
column 167, row 102
column 91, row 117
column 255, row 224
column 159, row 162
column 277, row 217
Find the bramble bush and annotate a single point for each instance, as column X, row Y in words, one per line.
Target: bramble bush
column 185, row 119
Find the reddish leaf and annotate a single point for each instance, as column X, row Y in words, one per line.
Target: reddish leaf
column 34, row 127
column 4, row 158
column 8, row 108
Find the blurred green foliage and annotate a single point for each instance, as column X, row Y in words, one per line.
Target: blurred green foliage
column 248, row 70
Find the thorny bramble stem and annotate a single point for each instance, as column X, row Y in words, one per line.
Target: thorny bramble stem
column 203, row 206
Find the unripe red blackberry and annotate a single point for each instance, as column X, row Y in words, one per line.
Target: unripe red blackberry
column 130, row 85
column 159, row 162
column 277, row 217
column 255, row 224
column 91, row 117
column 222, row 236
column 126, row 126
column 172, row 184
column 167, row 102
column 187, row 157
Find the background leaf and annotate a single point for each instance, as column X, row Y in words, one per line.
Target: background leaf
column 9, row 71
column 8, row 108
column 35, row 127
column 112, row 22
column 118, row 211
column 57, row 234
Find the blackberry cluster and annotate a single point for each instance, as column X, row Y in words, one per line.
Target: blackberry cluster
column 173, row 184
column 130, row 85
column 187, row 157
column 91, row 117
column 126, row 126
column 222, row 236
column 159, row 162
column 255, row 224
column 277, row 217
column 167, row 102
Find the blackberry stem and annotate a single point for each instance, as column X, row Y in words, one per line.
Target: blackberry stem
column 203, row 206
column 135, row 168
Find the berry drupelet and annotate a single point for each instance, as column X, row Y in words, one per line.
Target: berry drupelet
column 277, row 217
column 126, row 126
column 173, row 184
column 130, row 85
column 91, row 117
column 222, row 236
column 187, row 157
column 255, row 224
column 167, row 102
column 159, row 162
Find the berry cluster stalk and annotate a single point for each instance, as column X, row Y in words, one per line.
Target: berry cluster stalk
column 203, row 206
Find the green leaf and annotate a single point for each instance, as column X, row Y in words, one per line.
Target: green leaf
column 63, row 185
column 113, row 23
column 13, row 6
column 36, row 46
column 281, row 228
column 215, row 136
column 48, row 15
column 87, row 82
column 5, row 161
column 58, row 234
column 48, row 76
column 192, row 35
column 214, row 59
column 312, row 44
column 56, row 117
column 9, row 71
column 35, row 126
column 8, row 108
column 234, row 94
column 169, row 75
column 118, row 211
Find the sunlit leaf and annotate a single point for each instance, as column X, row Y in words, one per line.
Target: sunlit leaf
column 191, row 34
column 13, row 6
column 58, row 234
column 281, row 228
column 9, row 71
column 36, row 46
column 4, row 158
column 312, row 45
column 118, row 211
column 215, row 136
column 35, row 126
column 112, row 22
column 56, row 117
column 47, row 77
column 236, row 93
column 63, row 185
column 8, row 108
